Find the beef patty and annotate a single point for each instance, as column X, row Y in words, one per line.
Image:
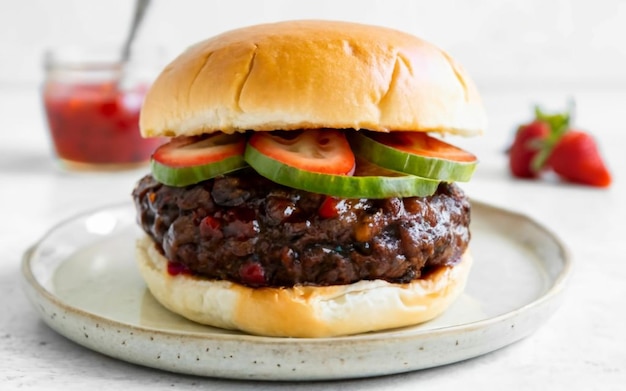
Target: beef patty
column 244, row 228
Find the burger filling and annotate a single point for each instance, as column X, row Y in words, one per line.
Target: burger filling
column 247, row 229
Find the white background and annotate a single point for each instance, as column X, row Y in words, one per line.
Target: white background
column 504, row 44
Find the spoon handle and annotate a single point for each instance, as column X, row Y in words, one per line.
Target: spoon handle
column 140, row 9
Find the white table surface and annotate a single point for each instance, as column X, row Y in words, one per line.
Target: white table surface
column 581, row 347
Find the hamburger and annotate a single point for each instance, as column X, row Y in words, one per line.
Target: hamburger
column 306, row 189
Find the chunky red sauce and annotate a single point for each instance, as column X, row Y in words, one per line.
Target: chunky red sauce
column 96, row 123
column 176, row 268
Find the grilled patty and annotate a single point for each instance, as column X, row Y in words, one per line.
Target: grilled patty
column 244, row 228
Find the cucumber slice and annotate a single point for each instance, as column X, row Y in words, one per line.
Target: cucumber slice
column 412, row 163
column 339, row 185
column 187, row 160
column 183, row 176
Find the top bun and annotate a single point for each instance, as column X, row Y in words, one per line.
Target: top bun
column 312, row 74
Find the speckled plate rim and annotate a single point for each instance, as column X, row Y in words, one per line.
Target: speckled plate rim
column 357, row 356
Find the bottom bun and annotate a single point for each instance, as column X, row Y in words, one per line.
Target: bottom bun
column 302, row 311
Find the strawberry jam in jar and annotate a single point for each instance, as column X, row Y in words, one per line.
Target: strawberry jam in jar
column 92, row 103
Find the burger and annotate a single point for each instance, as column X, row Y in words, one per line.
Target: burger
column 307, row 188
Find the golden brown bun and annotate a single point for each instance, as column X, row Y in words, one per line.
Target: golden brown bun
column 302, row 311
column 312, row 74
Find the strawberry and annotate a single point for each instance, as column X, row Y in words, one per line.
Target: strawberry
column 532, row 144
column 575, row 157
column 549, row 143
column 525, row 147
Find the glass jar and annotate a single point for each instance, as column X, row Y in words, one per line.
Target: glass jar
column 92, row 102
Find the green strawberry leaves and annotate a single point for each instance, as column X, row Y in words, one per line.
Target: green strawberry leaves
column 559, row 124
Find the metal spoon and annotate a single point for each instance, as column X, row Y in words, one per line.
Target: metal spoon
column 140, row 10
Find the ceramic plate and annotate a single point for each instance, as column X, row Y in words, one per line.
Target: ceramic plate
column 81, row 278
